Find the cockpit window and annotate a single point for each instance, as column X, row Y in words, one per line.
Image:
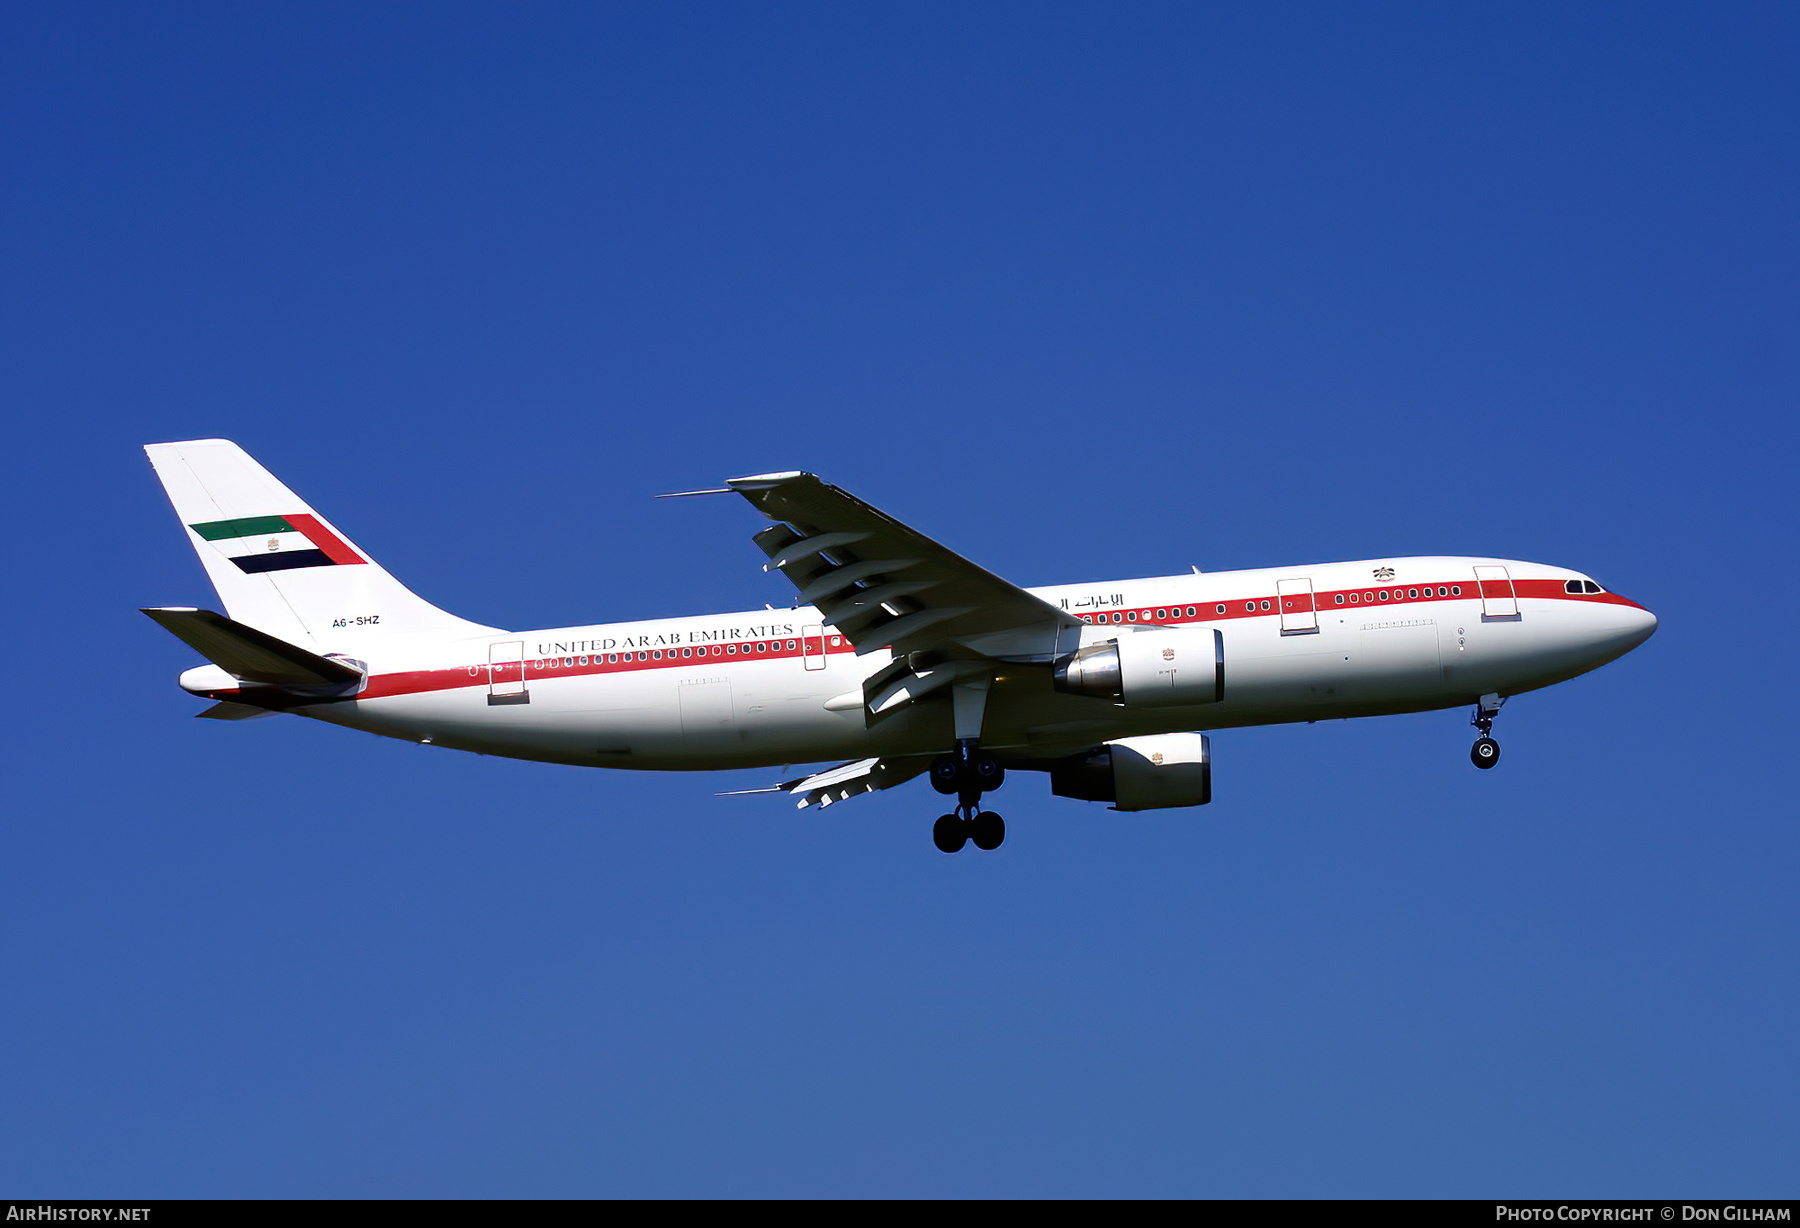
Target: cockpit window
column 1571, row 586
column 1592, row 587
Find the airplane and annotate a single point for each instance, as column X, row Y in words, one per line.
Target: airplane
column 899, row 657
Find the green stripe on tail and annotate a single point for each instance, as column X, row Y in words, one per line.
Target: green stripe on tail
column 243, row 526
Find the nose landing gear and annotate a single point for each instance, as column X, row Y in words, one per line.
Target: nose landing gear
column 968, row 774
column 1486, row 752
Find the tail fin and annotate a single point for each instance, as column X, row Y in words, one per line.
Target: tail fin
column 278, row 565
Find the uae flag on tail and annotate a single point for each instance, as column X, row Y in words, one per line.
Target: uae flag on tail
column 277, row 543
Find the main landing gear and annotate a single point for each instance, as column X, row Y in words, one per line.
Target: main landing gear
column 968, row 774
column 1486, row 752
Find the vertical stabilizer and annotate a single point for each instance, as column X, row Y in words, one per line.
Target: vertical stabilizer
column 278, row 565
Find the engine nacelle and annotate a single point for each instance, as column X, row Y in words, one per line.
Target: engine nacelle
column 1154, row 772
column 1159, row 667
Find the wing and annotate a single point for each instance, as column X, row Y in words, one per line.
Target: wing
column 881, row 584
column 884, row 585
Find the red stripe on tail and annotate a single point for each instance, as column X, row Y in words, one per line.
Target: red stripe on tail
column 336, row 548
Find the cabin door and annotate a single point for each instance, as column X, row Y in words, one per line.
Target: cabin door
column 812, row 646
column 1299, row 616
column 506, row 673
column 1499, row 603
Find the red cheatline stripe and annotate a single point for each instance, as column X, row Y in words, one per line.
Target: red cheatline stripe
column 336, row 548
column 416, row 682
column 1354, row 598
column 541, row 669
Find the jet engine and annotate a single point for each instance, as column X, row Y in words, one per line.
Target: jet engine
column 1158, row 667
column 1154, row 772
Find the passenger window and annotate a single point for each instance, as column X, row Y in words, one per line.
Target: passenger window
column 1355, row 598
column 1265, row 605
column 1412, row 594
column 762, row 647
column 1190, row 611
column 1442, row 591
column 731, row 648
column 687, row 652
column 1221, row 609
column 835, row 640
column 1340, row 599
column 581, row 660
column 1456, row 590
column 1382, row 594
column 1118, row 617
column 1161, row 614
column 1131, row 616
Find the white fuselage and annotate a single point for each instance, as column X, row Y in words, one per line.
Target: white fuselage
column 776, row 687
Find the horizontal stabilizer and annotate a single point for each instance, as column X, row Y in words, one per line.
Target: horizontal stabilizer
column 252, row 655
column 225, row 710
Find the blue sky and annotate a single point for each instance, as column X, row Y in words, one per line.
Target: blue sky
column 1085, row 293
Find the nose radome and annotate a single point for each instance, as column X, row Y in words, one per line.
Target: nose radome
column 1614, row 629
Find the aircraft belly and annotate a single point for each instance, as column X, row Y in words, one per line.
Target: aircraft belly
column 465, row 720
column 679, row 719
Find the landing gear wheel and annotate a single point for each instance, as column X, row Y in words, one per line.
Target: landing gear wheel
column 949, row 833
column 988, row 830
column 1485, row 753
column 946, row 774
column 987, row 772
